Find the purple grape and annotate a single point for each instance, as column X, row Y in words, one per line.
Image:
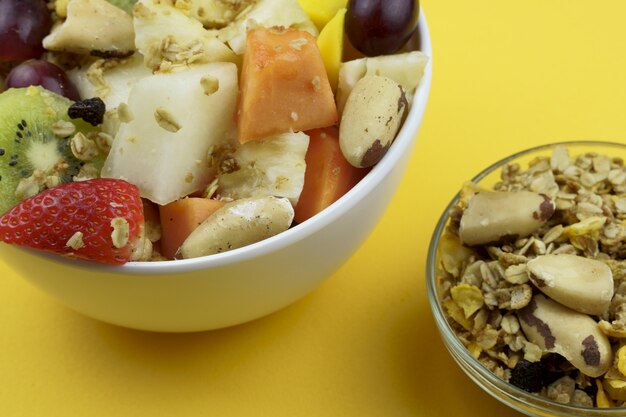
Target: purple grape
column 381, row 27
column 23, row 25
column 43, row 73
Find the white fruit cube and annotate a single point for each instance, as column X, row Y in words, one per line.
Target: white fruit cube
column 109, row 80
column 267, row 13
column 406, row 69
column 175, row 119
column 168, row 38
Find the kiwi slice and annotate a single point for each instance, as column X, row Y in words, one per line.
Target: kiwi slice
column 35, row 149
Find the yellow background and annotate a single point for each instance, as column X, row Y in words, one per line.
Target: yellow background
column 507, row 75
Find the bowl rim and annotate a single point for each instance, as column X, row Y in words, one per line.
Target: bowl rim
column 509, row 390
column 344, row 204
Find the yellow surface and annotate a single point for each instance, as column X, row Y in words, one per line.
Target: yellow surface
column 507, row 75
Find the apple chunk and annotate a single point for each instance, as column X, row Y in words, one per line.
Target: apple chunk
column 172, row 121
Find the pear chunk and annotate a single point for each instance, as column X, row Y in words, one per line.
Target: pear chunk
column 111, row 79
column 163, row 148
column 406, row 69
column 216, row 14
column 169, row 39
column 93, row 27
column 266, row 13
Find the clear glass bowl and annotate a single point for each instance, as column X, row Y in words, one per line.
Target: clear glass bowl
column 514, row 397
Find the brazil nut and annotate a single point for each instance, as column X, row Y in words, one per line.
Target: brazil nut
column 580, row 283
column 371, row 119
column 237, row 224
column 492, row 216
column 571, row 334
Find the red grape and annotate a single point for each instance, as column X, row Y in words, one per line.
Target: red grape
column 381, row 27
column 23, row 25
column 43, row 73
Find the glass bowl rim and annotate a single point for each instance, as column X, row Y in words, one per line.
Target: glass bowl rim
column 508, row 390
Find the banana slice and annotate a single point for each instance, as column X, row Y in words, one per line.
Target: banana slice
column 271, row 167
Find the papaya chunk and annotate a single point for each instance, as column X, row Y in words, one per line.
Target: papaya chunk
column 328, row 175
column 284, row 85
column 180, row 218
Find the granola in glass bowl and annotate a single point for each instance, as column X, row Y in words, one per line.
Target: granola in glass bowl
column 527, row 279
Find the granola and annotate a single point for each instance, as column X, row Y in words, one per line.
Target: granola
column 492, row 298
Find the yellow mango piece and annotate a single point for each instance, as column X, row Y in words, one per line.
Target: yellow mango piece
column 330, row 43
column 321, row 11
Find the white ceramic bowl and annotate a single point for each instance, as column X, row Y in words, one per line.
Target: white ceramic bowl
column 237, row 286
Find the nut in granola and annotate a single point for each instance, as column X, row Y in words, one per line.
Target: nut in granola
column 580, row 283
column 573, row 335
column 496, row 216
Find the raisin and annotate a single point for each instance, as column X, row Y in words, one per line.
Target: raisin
column 90, row 110
column 528, row 376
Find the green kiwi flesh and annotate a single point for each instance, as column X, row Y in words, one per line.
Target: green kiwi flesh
column 29, row 148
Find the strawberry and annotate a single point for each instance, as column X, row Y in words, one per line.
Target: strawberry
column 99, row 220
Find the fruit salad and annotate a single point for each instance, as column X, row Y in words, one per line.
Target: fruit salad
column 172, row 129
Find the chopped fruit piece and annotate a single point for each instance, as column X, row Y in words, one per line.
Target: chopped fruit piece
column 38, row 144
column 180, row 218
column 322, row 11
column 284, row 85
column 170, row 39
column 274, row 166
column 43, row 73
column 98, row 220
column 215, row 14
column 93, row 27
column 153, row 220
column 163, row 148
column 328, row 175
column 22, row 27
column 111, row 80
column 265, row 13
column 380, row 27
column 406, row 69
column 330, row 42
